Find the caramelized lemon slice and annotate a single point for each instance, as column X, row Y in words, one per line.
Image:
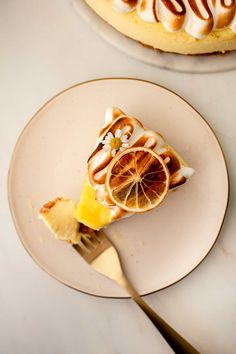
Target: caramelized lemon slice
column 137, row 179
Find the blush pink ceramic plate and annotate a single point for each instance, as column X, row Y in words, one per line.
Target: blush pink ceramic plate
column 157, row 248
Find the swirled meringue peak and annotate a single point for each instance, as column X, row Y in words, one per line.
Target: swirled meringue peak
column 197, row 17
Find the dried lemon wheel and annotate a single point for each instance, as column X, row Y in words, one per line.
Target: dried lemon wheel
column 137, row 179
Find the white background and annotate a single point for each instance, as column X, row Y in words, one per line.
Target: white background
column 45, row 48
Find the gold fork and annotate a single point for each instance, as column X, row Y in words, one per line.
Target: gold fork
column 97, row 250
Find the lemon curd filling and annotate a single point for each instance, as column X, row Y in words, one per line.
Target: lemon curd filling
column 89, row 211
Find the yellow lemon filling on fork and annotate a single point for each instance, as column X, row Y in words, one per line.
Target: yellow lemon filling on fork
column 89, row 211
column 130, row 170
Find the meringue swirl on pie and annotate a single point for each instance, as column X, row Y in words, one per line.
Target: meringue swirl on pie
column 178, row 26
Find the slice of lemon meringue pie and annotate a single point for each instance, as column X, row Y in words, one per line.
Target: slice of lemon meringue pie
column 130, row 171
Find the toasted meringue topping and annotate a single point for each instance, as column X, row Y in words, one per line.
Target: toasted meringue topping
column 197, row 17
column 138, row 136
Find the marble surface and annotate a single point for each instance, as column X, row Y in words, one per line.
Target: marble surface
column 182, row 63
column 46, row 47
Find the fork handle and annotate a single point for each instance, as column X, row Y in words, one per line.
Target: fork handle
column 175, row 340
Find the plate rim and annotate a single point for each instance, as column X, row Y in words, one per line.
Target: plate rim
column 10, row 174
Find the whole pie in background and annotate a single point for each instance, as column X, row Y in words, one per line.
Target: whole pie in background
column 177, row 26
